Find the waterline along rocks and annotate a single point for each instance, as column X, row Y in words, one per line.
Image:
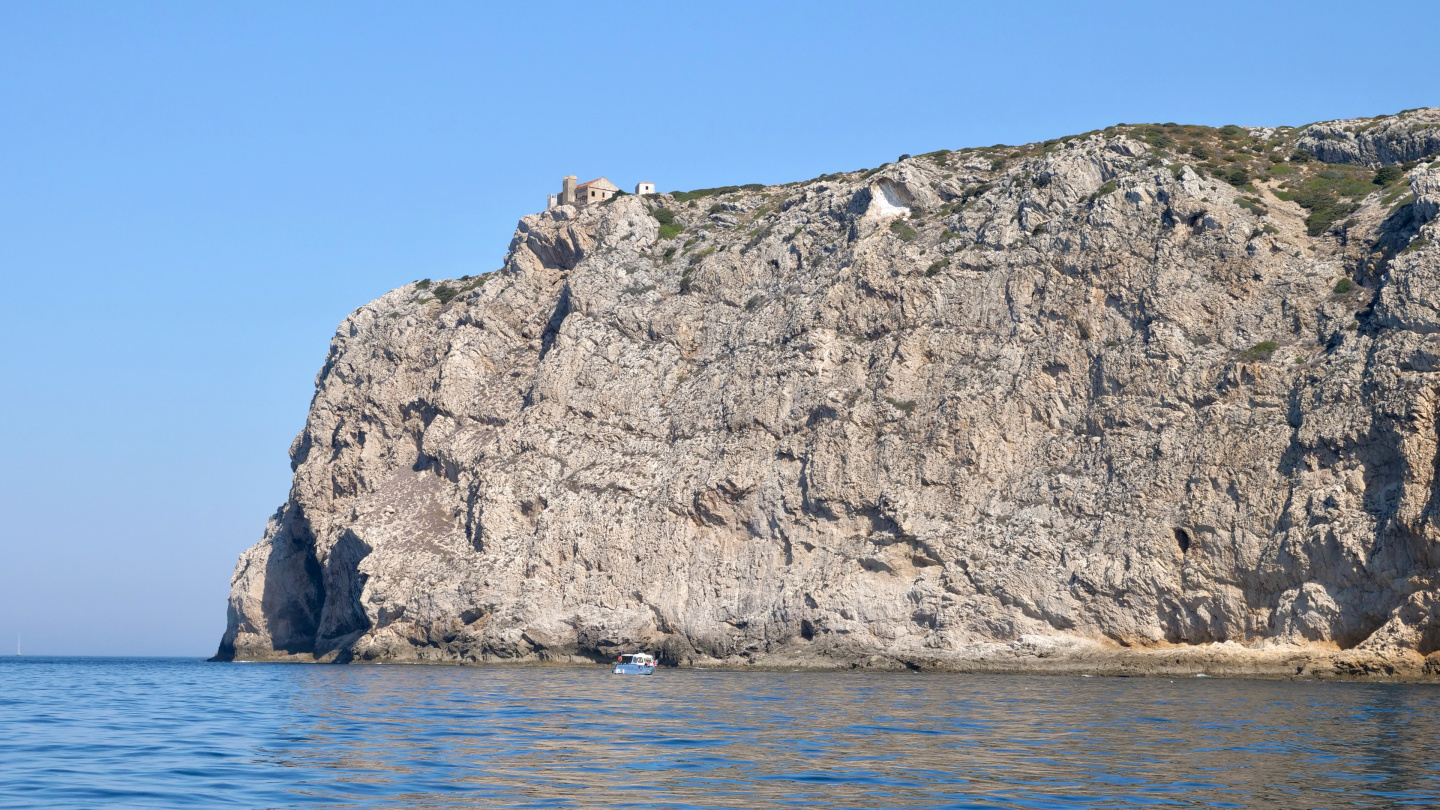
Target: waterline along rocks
column 1157, row 398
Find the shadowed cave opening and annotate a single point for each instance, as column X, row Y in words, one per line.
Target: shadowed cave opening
column 1183, row 538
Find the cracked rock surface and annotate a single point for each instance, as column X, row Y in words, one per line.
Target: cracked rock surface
column 1085, row 405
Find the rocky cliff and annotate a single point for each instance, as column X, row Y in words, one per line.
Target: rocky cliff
column 1153, row 398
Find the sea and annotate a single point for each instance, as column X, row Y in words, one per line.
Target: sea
column 160, row 733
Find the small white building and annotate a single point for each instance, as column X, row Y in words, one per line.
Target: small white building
column 644, row 187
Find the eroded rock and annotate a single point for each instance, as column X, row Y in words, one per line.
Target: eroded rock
column 1067, row 408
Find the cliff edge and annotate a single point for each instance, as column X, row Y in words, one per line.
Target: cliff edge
column 1149, row 399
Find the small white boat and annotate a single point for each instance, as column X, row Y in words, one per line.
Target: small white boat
column 634, row 664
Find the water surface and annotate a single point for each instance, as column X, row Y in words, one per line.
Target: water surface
column 177, row 733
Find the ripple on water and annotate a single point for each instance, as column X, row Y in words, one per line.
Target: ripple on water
column 178, row 733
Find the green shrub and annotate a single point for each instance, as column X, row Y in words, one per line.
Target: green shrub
column 445, row 293
column 759, row 235
column 1386, row 175
column 1260, row 351
column 1270, row 229
column 671, row 230
column 1321, row 196
column 422, row 284
column 1343, row 286
column 936, row 267
column 1252, row 204
column 1301, row 156
column 1322, row 219
column 908, row 406
column 1108, row 188
column 1200, row 152
column 1392, row 194
column 1417, row 244
column 686, row 196
column 1230, row 131
column 901, row 229
column 663, row 215
column 1238, row 176
column 696, row 258
column 1402, row 202
column 1160, row 140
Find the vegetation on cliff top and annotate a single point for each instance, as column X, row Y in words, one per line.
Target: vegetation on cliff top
column 1243, row 157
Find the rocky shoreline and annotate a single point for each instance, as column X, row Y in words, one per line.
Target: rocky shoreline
column 1030, row 657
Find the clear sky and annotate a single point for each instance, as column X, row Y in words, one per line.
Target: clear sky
column 193, row 195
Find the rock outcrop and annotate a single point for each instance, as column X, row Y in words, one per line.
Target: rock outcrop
column 1414, row 135
column 1115, row 402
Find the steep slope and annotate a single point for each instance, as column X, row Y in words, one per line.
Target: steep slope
column 1157, row 398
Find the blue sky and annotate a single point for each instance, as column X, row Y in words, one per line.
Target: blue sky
column 193, row 195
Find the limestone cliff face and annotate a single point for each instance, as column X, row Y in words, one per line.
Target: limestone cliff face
column 1098, row 399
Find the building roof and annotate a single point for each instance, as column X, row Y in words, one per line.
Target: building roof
column 600, row 183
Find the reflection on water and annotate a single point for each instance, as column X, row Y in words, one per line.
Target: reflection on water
column 166, row 733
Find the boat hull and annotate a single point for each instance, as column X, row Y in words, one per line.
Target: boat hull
column 632, row 669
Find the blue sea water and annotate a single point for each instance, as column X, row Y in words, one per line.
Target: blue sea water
column 77, row 732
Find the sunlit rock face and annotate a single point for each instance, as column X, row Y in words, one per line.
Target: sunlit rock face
column 1098, row 402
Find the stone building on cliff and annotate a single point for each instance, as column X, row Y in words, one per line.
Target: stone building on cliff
column 591, row 191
